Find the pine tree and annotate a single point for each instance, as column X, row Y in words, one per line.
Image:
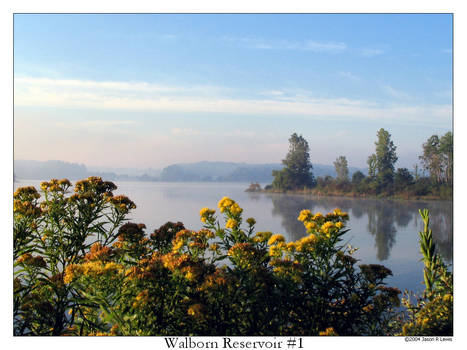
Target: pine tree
column 296, row 173
column 382, row 162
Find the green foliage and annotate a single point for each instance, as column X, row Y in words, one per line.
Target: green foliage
column 296, row 173
column 381, row 163
column 49, row 236
column 85, row 271
column 403, row 179
column 437, row 157
column 433, row 313
column 342, row 169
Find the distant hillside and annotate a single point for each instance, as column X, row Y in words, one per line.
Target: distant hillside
column 57, row 169
column 32, row 169
column 199, row 171
column 232, row 172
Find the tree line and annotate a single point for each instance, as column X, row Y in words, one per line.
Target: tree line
column 434, row 177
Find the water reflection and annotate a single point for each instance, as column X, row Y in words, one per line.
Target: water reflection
column 384, row 218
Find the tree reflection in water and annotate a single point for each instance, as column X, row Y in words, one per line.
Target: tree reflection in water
column 385, row 218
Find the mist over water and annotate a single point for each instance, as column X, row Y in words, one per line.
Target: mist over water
column 384, row 231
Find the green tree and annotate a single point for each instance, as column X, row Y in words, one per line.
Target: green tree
column 357, row 177
column 342, row 169
column 381, row 163
column 446, row 149
column 431, row 158
column 403, row 179
column 437, row 157
column 297, row 166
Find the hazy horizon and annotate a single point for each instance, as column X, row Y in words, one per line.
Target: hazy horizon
column 139, row 91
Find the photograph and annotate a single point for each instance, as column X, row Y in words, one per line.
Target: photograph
column 233, row 180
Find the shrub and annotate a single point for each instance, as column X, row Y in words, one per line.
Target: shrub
column 81, row 269
column 50, row 236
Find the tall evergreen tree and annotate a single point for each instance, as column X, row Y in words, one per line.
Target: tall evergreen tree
column 382, row 162
column 297, row 172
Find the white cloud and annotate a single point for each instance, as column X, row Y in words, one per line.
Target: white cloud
column 31, row 92
column 107, row 123
column 272, row 93
column 185, row 132
column 394, row 92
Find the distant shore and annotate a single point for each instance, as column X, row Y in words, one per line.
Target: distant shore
column 317, row 193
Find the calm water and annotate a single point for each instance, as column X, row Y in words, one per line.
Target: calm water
column 386, row 232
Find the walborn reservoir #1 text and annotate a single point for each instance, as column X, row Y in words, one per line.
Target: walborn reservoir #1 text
column 228, row 343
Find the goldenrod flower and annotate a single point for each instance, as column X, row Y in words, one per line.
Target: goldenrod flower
column 305, row 214
column 225, row 203
column 277, row 238
column 235, row 209
column 231, row 223
column 177, row 245
column 327, row 227
column 310, row 225
column 262, row 236
column 328, row 332
column 306, row 243
column 196, row 311
column 251, row 221
column 205, row 213
column 317, row 216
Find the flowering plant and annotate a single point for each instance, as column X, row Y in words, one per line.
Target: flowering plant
column 82, row 269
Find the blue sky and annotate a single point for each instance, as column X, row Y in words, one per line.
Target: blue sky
column 151, row 90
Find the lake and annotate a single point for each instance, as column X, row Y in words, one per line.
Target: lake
column 384, row 231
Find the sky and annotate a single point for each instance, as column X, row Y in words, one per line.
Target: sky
column 152, row 90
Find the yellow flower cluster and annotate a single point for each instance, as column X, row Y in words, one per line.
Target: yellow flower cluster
column 276, row 250
column 92, row 269
column 277, row 238
column 28, row 259
column 232, row 224
column 305, row 215
column 55, row 185
column 98, row 252
column 196, row 311
column 243, row 254
column 251, row 221
column 432, row 317
column 306, row 243
column 28, row 193
column 206, row 214
column 174, row 260
column 192, row 272
column 25, row 208
column 329, row 332
column 213, row 281
column 261, row 237
column 193, row 239
column 230, row 205
column 318, row 223
column 327, row 228
column 235, row 209
column 122, row 203
column 287, row 268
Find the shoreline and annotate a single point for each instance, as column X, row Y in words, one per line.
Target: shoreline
column 353, row 195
